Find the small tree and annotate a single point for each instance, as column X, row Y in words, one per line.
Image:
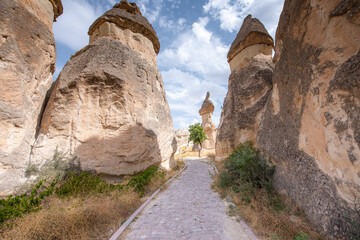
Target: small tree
column 197, row 135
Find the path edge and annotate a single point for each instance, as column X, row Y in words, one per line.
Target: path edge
column 117, row 234
column 247, row 229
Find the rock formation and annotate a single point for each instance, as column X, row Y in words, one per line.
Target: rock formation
column 206, row 110
column 27, row 63
column 108, row 106
column 311, row 125
column 182, row 137
column 251, row 40
column 249, row 86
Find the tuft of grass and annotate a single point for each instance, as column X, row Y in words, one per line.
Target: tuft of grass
column 246, row 178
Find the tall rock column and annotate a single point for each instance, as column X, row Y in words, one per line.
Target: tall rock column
column 108, row 106
column 311, row 125
column 27, row 63
column 250, row 86
column 206, row 110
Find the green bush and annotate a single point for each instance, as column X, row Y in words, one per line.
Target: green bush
column 246, row 166
column 84, row 184
column 15, row 206
column 139, row 182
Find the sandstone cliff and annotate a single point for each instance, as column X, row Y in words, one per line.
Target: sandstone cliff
column 27, row 62
column 108, row 106
column 206, row 110
column 311, row 125
column 250, row 85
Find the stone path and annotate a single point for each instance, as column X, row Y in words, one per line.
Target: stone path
column 188, row 209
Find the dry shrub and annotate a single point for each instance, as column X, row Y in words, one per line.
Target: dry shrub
column 246, row 177
column 196, row 154
column 95, row 216
column 268, row 222
column 92, row 218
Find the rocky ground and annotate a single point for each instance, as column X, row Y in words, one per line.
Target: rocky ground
column 188, row 209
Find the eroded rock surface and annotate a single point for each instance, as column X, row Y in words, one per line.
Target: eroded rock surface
column 125, row 23
column 311, row 125
column 27, row 62
column 250, row 86
column 206, row 111
column 251, row 40
column 108, row 107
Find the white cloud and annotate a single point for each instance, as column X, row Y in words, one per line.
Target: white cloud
column 72, row 26
column 228, row 12
column 194, row 64
column 268, row 12
column 150, row 9
column 174, row 26
column 198, row 51
column 231, row 13
column 200, row 32
column 175, row 3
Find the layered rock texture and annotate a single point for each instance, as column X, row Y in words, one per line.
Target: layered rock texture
column 108, row 106
column 125, row 23
column 27, row 63
column 251, row 40
column 311, row 125
column 305, row 114
column 250, row 85
column 206, row 111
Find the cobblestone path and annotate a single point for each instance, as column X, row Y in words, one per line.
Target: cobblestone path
column 188, row 209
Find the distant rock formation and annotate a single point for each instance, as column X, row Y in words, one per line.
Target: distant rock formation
column 182, row 137
column 108, row 106
column 27, row 64
column 209, row 127
column 250, row 86
column 311, row 124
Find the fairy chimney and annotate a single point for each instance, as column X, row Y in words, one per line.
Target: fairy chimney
column 108, row 107
column 209, row 127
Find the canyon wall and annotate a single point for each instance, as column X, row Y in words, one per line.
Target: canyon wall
column 27, row 64
column 311, row 126
column 250, row 86
column 108, row 106
column 304, row 114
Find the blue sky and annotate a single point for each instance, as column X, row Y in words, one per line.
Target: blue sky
column 195, row 36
